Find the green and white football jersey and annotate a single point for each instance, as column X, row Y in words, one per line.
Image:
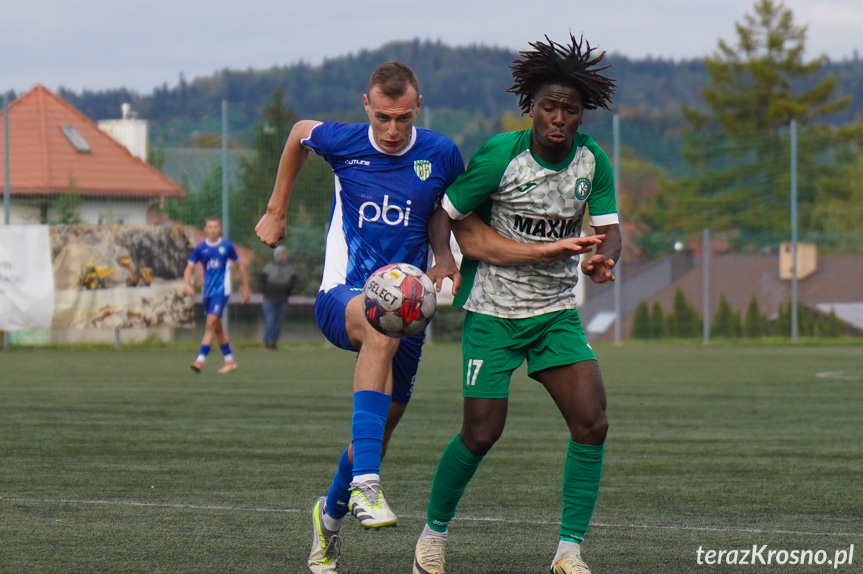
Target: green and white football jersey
column 527, row 200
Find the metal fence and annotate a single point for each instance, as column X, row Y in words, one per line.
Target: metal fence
column 706, row 216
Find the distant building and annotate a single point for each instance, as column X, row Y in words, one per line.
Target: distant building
column 826, row 284
column 129, row 130
column 55, row 150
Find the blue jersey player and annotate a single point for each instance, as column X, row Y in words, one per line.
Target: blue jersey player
column 215, row 254
column 389, row 180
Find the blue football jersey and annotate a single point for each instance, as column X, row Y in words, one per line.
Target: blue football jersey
column 214, row 258
column 383, row 202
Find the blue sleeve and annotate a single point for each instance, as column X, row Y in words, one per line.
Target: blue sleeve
column 196, row 254
column 324, row 138
column 232, row 253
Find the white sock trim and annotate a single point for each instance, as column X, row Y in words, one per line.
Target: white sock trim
column 370, row 477
column 330, row 523
column 428, row 533
column 566, row 547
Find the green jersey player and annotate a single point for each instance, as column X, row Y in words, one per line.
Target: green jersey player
column 533, row 188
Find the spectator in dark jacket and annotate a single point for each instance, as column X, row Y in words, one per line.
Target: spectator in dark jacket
column 276, row 282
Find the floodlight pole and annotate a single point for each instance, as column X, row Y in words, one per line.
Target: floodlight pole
column 618, row 304
column 6, row 185
column 226, row 215
column 794, row 317
column 705, row 261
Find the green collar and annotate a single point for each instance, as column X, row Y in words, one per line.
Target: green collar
column 561, row 165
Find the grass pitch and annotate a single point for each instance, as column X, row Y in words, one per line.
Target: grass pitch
column 129, row 462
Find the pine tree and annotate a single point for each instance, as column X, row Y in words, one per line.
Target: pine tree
column 782, row 327
column 737, row 326
column 657, row 321
column 641, row 327
column 683, row 322
column 723, row 320
column 738, row 147
column 754, row 322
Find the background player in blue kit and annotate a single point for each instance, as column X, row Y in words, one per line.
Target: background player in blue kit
column 389, row 180
column 213, row 254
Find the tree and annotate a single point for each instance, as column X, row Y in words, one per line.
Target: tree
column 738, row 147
column 838, row 214
column 752, row 85
column 641, row 327
column 310, row 202
column 196, row 205
column 782, row 327
column 257, row 175
column 828, row 325
column 754, row 323
column 67, row 204
column 657, row 321
column 726, row 323
column 683, row 322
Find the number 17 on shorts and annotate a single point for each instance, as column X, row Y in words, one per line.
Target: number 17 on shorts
column 472, row 372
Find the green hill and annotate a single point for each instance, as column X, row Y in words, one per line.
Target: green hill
column 463, row 87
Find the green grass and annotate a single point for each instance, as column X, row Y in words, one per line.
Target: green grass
column 129, row 462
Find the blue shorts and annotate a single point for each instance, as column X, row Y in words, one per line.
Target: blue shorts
column 330, row 316
column 215, row 305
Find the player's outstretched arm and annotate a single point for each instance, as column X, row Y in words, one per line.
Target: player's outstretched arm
column 244, row 280
column 479, row 241
column 439, row 228
column 187, row 279
column 272, row 227
column 599, row 265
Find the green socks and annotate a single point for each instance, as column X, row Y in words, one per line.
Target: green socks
column 581, row 475
column 456, row 467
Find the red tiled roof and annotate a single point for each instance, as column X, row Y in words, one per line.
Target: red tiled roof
column 44, row 162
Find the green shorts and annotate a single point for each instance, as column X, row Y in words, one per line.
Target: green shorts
column 492, row 348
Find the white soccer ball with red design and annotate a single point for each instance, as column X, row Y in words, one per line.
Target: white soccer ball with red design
column 399, row 299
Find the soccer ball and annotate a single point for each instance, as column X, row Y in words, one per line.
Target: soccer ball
column 399, row 300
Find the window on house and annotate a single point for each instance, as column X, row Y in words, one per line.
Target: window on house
column 76, row 139
column 111, row 219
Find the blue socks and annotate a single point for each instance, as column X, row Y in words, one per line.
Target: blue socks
column 367, row 430
column 340, row 489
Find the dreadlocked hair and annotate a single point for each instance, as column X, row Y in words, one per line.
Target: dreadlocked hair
column 554, row 63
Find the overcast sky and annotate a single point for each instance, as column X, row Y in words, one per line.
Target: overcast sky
column 100, row 44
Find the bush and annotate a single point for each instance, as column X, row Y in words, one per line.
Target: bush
column 641, row 327
column 683, row 322
column 657, row 321
column 754, row 324
column 726, row 323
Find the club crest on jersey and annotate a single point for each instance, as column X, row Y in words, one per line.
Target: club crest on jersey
column 422, row 168
column 583, row 188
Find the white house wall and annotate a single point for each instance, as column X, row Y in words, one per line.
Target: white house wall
column 94, row 211
column 126, row 212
